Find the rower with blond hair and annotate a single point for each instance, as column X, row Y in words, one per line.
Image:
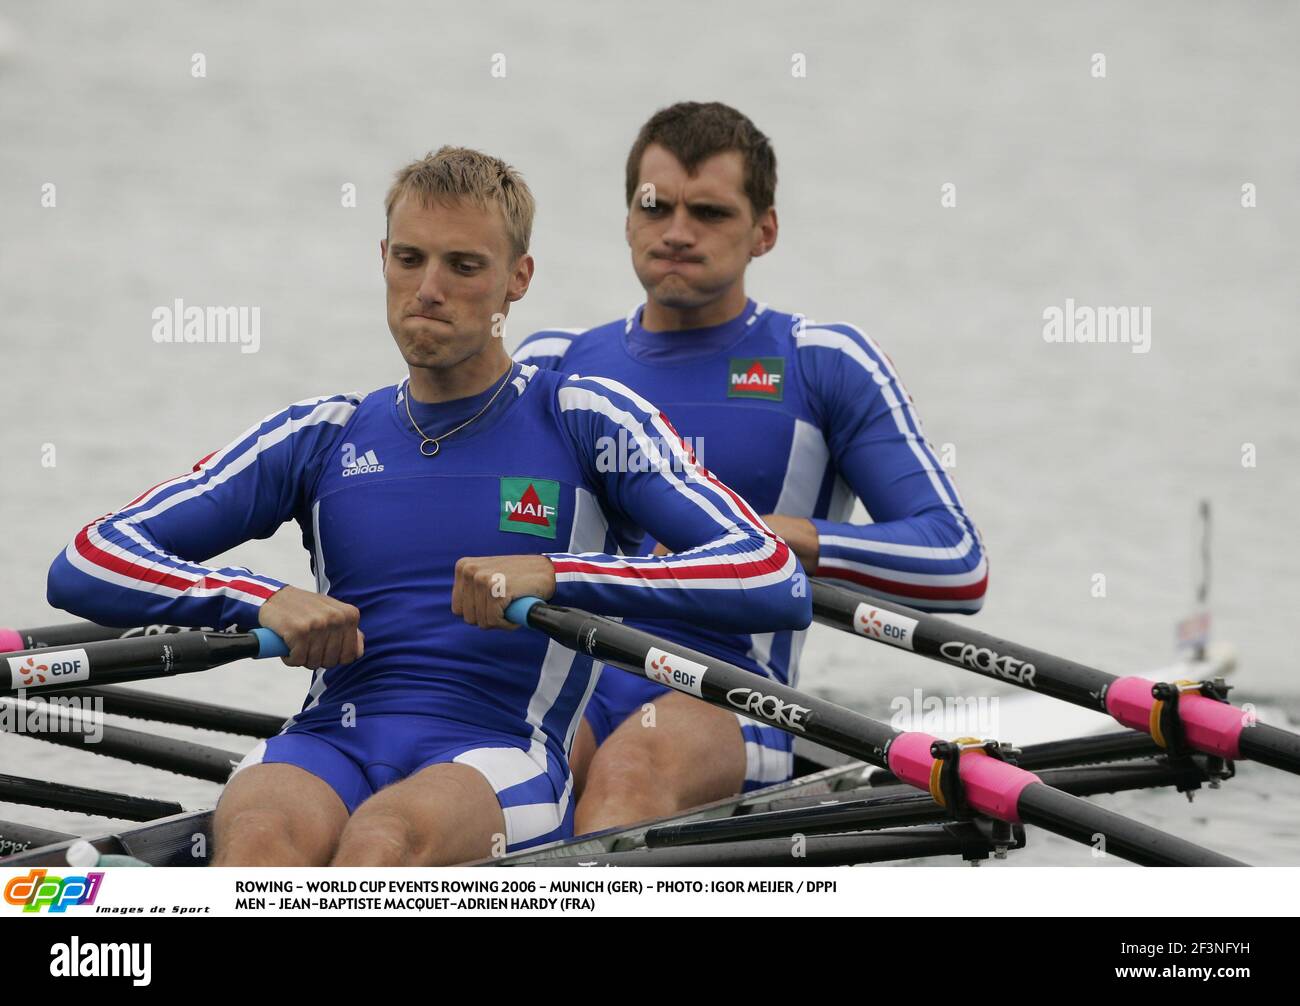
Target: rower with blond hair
column 427, row 506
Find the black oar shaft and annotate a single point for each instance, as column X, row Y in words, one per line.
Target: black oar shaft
column 168, row 753
column 932, row 636
column 1111, row 834
column 1271, row 746
column 183, row 712
column 814, row 850
column 723, row 684
column 996, row 789
column 53, row 668
column 1185, row 720
column 899, row 804
column 77, row 633
column 79, row 799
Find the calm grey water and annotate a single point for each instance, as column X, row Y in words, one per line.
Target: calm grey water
column 1075, row 460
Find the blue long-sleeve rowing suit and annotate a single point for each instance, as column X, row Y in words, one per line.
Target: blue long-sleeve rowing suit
column 800, row 418
column 385, row 526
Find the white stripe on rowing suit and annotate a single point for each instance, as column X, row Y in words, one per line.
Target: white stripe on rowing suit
column 131, row 531
column 587, row 534
column 665, row 435
column 504, row 767
column 221, row 587
column 542, row 347
column 936, row 553
column 887, row 380
column 899, row 576
column 585, row 398
column 317, row 689
column 797, row 639
column 760, row 651
column 804, row 471
column 520, row 381
column 325, row 412
column 907, row 405
column 842, row 500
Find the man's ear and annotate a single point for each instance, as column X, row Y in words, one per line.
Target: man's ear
column 383, row 253
column 521, row 278
column 766, row 231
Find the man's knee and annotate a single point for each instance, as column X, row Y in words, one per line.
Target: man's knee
column 277, row 815
column 253, row 837
column 632, row 761
column 379, row 836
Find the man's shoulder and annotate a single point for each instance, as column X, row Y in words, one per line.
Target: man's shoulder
column 795, row 330
column 841, row 339
column 308, row 412
column 834, row 358
column 547, row 347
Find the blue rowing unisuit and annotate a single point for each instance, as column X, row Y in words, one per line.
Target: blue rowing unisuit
column 385, row 526
column 800, row 418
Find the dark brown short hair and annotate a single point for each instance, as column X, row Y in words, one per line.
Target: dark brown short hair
column 694, row 131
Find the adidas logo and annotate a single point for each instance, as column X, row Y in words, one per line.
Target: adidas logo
column 359, row 465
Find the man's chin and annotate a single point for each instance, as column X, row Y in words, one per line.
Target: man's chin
column 420, row 351
column 674, row 293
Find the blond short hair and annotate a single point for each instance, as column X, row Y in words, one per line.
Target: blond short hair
column 455, row 173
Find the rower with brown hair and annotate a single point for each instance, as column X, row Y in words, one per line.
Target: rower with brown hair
column 801, row 417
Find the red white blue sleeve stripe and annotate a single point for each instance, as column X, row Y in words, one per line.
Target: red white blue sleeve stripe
column 126, row 567
column 728, row 568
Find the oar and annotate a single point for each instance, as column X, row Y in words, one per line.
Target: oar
column 73, row 729
column 116, row 660
column 79, row 799
column 1179, row 715
column 880, row 808
column 76, row 633
column 183, row 712
column 957, row 776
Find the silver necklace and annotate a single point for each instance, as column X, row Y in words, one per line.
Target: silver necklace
column 426, row 440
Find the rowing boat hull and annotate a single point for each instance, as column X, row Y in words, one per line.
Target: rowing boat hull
column 186, row 839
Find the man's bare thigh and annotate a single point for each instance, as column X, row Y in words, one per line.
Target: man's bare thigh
column 695, row 750
column 277, row 806
column 443, row 814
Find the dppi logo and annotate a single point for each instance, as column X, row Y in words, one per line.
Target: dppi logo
column 36, row 891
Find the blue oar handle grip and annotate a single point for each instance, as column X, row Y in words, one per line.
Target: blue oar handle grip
column 269, row 644
column 517, row 610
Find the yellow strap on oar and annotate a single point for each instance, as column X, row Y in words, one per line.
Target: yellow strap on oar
column 1158, row 708
column 967, row 746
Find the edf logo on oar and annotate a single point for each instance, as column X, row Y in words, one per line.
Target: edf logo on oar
column 38, row 890
column 55, row 666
